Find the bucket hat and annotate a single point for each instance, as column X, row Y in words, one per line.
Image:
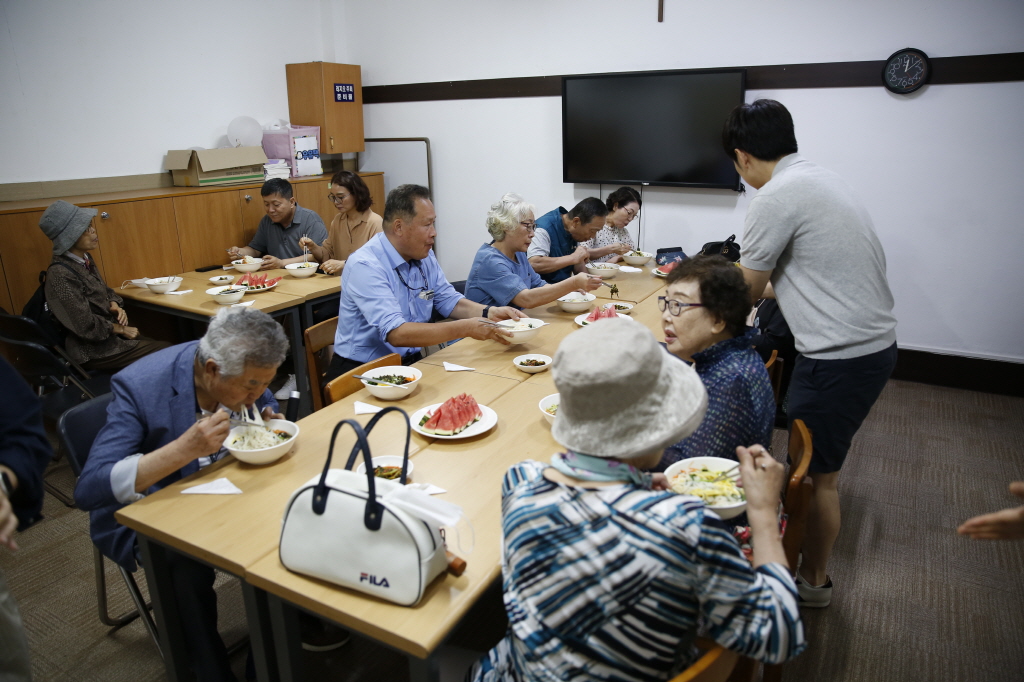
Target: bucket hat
column 64, row 223
column 621, row 394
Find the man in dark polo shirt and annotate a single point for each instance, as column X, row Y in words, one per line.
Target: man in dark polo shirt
column 277, row 237
column 557, row 251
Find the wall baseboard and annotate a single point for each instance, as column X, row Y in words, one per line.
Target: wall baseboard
column 956, row 371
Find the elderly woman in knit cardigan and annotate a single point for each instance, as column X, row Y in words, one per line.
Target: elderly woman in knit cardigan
column 99, row 337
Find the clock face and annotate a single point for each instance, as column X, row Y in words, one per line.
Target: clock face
column 906, row 71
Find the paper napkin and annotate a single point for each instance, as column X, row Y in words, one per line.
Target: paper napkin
column 428, row 488
column 629, row 268
column 451, row 367
column 221, row 486
column 178, row 293
column 244, row 304
column 364, row 408
column 228, row 267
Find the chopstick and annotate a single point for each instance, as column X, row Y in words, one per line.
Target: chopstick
column 374, row 380
column 234, row 421
column 727, row 473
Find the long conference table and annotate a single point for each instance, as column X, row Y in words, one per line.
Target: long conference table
column 239, row 534
column 293, row 298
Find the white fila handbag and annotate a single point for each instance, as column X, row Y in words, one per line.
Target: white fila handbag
column 356, row 531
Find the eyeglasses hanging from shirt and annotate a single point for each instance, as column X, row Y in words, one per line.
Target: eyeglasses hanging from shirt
column 424, row 293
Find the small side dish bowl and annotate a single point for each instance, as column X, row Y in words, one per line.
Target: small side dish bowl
column 392, row 392
column 223, row 279
column 161, row 285
column 712, row 464
column 637, row 260
column 623, row 308
column 576, row 302
column 605, row 270
column 532, row 369
column 265, row 455
column 227, row 295
column 522, row 330
column 549, row 402
column 386, row 461
column 301, row 270
column 242, row 266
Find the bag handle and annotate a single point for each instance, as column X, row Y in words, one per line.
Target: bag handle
column 374, row 513
column 369, row 427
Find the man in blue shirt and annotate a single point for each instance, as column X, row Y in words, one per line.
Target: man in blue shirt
column 277, row 237
column 391, row 287
column 557, row 250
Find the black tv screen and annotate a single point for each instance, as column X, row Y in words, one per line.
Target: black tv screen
column 661, row 128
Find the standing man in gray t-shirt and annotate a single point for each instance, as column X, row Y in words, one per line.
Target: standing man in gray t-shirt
column 809, row 238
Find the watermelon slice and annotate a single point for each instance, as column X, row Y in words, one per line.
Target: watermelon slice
column 453, row 416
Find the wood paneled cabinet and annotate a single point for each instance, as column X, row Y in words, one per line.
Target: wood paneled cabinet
column 330, row 96
column 152, row 234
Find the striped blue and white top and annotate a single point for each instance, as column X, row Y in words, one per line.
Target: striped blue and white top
column 609, row 583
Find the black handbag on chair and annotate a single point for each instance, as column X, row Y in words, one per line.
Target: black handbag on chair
column 728, row 249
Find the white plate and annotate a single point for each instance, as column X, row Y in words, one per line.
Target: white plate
column 659, row 273
column 581, row 319
column 223, row 279
column 483, row 425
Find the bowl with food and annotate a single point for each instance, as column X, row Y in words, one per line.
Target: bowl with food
column 549, row 407
column 227, row 295
column 576, row 302
column 161, row 285
column 637, row 257
column 223, row 279
column 522, row 330
column 532, row 363
column 712, row 480
column 257, row 445
column 605, row 270
column 623, row 308
column 301, row 270
column 247, row 264
column 386, row 466
column 406, row 379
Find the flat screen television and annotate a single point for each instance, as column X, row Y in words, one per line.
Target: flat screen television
column 651, row 128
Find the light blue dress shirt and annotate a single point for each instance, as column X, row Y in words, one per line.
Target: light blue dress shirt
column 375, row 301
column 495, row 280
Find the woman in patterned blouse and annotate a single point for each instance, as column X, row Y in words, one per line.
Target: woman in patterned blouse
column 606, row 573
column 623, row 206
column 704, row 313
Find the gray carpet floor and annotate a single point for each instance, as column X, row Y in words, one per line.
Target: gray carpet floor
column 912, row 599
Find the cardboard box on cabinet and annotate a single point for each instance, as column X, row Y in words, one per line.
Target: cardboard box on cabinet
column 205, row 167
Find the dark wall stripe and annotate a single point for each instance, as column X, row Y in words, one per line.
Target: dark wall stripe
column 954, row 371
column 989, row 68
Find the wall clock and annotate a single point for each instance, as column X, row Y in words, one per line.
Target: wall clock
column 906, row 71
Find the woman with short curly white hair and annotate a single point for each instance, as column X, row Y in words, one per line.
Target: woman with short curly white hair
column 501, row 274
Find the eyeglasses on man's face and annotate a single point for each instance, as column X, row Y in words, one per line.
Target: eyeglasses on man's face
column 675, row 307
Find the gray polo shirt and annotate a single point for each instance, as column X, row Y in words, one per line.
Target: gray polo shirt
column 283, row 242
column 807, row 226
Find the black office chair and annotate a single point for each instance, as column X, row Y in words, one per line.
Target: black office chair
column 459, row 286
column 25, row 329
column 77, row 429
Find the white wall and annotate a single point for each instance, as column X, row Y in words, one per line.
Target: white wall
column 95, row 89
column 939, row 169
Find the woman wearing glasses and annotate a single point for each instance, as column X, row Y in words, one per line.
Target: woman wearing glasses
column 354, row 225
column 704, row 312
column 501, row 274
column 613, row 241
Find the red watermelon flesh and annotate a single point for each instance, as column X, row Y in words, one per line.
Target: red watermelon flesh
column 453, row 416
column 594, row 315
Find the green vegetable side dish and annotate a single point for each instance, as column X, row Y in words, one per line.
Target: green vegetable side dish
column 397, row 379
column 532, row 363
column 619, row 306
column 614, row 291
column 638, row 254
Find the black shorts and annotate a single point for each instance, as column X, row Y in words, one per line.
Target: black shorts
column 833, row 397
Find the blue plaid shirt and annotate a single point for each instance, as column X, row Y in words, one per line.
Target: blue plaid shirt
column 741, row 405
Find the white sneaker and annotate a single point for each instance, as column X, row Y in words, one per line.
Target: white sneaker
column 814, row 597
column 285, row 391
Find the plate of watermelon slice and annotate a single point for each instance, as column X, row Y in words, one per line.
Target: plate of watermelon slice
column 457, row 417
column 256, row 283
column 605, row 312
column 663, row 270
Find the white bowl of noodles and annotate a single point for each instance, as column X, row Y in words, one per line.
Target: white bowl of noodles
column 256, row 445
column 696, row 477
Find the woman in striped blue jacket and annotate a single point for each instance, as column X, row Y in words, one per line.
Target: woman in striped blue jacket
column 608, row 575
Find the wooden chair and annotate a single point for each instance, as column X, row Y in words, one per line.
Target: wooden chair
column 317, row 338
column 715, row 665
column 774, row 367
column 346, row 385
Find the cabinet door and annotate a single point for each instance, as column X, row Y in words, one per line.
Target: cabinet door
column 139, row 239
column 208, row 224
column 375, row 183
column 343, row 128
column 313, row 195
column 5, row 293
column 250, row 203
